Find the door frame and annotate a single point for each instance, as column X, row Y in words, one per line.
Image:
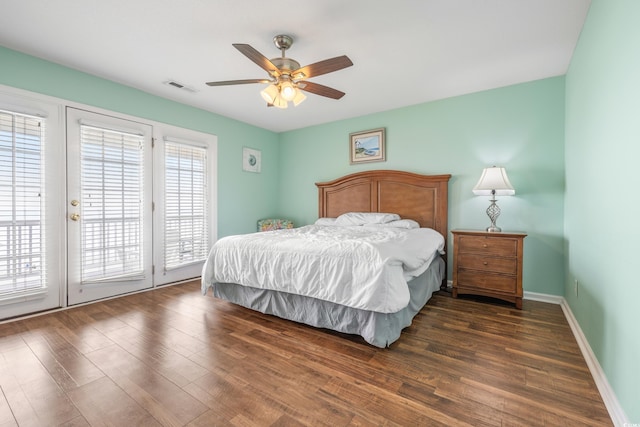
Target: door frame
column 25, row 102
column 78, row 292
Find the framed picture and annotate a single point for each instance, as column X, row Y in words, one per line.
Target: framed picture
column 251, row 160
column 367, row 146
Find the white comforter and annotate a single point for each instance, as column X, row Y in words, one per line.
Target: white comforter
column 358, row 266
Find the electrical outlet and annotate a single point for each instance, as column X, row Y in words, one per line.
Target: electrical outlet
column 575, row 286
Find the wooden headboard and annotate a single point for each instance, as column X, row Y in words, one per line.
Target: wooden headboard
column 422, row 198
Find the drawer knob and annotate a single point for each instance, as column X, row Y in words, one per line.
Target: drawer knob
column 485, row 263
column 484, row 246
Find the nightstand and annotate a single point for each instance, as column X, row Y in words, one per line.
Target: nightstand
column 488, row 264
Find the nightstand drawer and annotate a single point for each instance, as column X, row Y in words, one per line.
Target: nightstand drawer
column 487, row 281
column 488, row 245
column 486, row 263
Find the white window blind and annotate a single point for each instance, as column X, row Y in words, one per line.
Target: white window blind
column 185, row 225
column 22, row 138
column 111, row 204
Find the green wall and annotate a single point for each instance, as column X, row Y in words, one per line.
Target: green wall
column 601, row 203
column 242, row 196
column 519, row 127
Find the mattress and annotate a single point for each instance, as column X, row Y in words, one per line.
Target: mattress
column 355, row 266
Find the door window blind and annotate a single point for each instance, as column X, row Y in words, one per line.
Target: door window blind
column 111, row 203
column 22, row 263
column 185, row 210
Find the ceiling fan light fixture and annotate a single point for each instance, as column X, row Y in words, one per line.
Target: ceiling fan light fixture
column 270, row 93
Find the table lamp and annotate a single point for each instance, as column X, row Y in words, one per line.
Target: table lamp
column 493, row 182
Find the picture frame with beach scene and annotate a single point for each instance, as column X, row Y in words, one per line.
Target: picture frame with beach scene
column 367, row 146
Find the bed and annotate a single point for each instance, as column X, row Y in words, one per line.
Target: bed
column 412, row 198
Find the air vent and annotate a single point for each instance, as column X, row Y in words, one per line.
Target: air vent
column 180, row 86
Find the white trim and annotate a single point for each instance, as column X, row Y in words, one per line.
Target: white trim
column 24, row 296
column 535, row 296
column 617, row 414
column 25, row 111
column 110, row 127
column 191, row 142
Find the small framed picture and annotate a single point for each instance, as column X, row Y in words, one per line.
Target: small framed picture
column 367, row 146
column 251, row 160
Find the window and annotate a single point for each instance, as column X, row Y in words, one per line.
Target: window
column 21, row 205
column 185, row 208
column 112, row 199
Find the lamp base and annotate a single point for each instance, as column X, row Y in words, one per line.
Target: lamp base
column 493, row 212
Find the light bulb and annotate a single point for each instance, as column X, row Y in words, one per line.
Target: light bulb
column 287, row 91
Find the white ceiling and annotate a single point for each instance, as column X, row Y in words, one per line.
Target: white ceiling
column 404, row 52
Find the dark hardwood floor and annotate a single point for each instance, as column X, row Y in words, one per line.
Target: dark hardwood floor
column 174, row 357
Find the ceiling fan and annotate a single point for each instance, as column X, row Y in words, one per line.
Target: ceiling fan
column 286, row 78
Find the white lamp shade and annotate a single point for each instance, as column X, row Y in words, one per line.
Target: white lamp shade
column 494, row 179
column 299, row 97
column 279, row 102
column 270, row 93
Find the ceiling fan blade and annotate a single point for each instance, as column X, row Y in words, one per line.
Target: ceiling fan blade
column 258, row 58
column 324, row 67
column 321, row 90
column 238, row 82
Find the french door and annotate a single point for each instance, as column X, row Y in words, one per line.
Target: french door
column 31, row 242
column 109, row 206
column 89, row 209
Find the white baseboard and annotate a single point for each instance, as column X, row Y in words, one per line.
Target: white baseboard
column 534, row 296
column 617, row 414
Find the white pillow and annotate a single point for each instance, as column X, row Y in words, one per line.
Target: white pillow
column 400, row 223
column 326, row 221
column 362, row 218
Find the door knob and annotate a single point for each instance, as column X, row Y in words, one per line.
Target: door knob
column 74, row 217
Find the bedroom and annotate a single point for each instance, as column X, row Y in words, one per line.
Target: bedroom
column 552, row 143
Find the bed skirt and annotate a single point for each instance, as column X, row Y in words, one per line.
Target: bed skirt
column 378, row 329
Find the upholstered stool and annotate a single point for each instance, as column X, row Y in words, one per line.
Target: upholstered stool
column 274, row 224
